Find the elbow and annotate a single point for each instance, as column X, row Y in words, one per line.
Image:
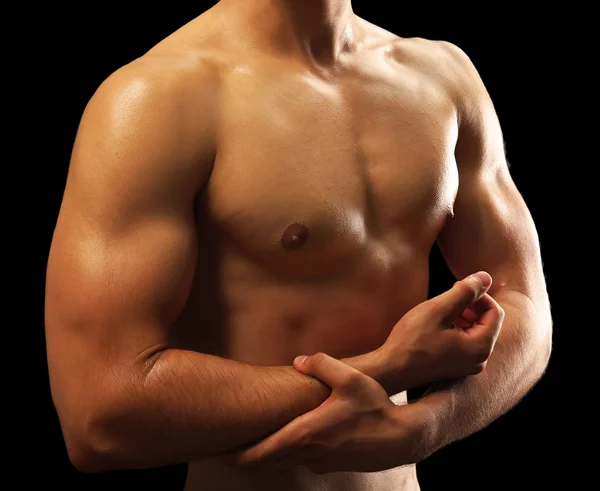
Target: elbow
column 90, row 448
column 85, row 458
column 91, row 419
column 90, row 433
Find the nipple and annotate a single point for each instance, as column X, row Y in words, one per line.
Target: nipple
column 294, row 236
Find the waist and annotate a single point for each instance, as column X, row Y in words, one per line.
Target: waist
column 216, row 475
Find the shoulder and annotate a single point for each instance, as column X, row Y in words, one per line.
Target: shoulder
column 156, row 117
column 448, row 66
column 442, row 58
column 462, row 68
column 172, row 69
column 163, row 99
column 441, row 62
column 164, row 79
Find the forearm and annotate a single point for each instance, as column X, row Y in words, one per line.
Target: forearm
column 191, row 406
column 520, row 356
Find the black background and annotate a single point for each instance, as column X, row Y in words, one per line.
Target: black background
column 521, row 450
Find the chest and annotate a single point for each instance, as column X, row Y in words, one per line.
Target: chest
column 330, row 167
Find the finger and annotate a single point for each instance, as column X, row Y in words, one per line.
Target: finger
column 488, row 327
column 466, row 319
column 461, row 323
column 290, row 459
column 462, row 294
column 292, row 439
column 274, row 447
column 332, row 372
column 283, row 459
column 482, row 305
column 470, row 315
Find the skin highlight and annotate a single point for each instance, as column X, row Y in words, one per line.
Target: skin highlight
column 174, row 309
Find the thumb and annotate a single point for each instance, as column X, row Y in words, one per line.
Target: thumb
column 462, row 294
column 331, row 372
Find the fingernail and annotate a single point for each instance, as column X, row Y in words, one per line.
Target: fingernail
column 300, row 359
column 483, row 278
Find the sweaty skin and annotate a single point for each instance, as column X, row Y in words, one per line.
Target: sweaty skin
column 266, row 208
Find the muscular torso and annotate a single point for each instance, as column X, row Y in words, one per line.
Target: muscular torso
column 315, row 225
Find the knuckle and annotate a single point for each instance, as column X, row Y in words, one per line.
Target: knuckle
column 317, row 359
column 352, row 379
column 467, row 288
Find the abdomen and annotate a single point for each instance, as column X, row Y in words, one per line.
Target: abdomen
column 262, row 319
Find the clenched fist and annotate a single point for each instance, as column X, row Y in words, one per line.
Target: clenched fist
column 447, row 337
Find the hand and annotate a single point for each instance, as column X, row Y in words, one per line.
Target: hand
column 447, row 337
column 356, row 429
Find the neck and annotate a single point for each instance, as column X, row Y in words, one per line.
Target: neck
column 318, row 29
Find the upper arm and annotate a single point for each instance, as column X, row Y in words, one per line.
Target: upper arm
column 123, row 253
column 492, row 228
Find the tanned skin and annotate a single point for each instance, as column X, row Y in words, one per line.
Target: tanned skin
column 267, row 182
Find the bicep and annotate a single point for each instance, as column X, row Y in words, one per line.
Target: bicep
column 123, row 253
column 113, row 293
column 492, row 230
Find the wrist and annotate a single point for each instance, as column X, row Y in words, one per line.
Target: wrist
column 367, row 363
column 395, row 372
column 382, row 366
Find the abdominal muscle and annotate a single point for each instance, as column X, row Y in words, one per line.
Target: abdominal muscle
column 255, row 319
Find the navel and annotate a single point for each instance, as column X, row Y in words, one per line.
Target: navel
column 294, row 236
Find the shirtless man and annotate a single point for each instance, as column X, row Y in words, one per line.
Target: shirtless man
column 268, row 182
